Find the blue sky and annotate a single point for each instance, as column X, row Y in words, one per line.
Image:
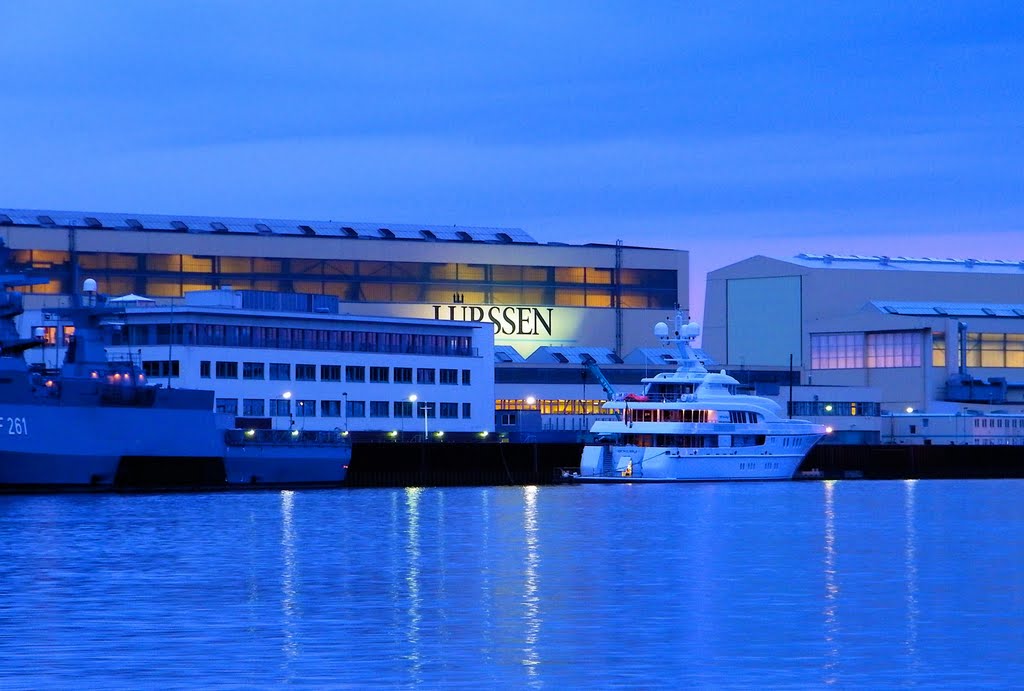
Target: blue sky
column 727, row 128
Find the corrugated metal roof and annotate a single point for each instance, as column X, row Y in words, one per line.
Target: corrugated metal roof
column 181, row 223
column 949, row 309
column 886, row 263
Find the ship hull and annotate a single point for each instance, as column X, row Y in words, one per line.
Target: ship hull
column 617, row 464
column 67, row 448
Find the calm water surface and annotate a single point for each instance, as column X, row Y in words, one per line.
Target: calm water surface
column 869, row 584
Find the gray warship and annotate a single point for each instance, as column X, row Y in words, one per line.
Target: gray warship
column 98, row 424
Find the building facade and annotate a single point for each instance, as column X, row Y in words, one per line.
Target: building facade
column 531, row 294
column 928, row 335
column 291, row 361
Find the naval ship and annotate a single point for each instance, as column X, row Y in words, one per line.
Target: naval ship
column 97, row 423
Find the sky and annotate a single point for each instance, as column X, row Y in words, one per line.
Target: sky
column 728, row 129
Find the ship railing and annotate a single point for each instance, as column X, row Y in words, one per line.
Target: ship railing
column 281, row 437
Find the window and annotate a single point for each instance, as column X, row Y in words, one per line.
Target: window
column 894, row 349
column 449, row 376
column 379, row 375
column 280, row 407
column 403, row 375
column 252, row 370
column 227, row 370
column 155, row 369
column 837, row 351
column 449, row 410
column 466, row 410
column 204, row 369
column 330, row 408
column 355, row 373
column 280, row 371
column 355, row 408
column 378, row 408
column 305, row 372
column 305, row 408
column 253, row 407
column 403, row 408
column 227, row 405
column 466, row 377
column 424, row 375
column 330, row 372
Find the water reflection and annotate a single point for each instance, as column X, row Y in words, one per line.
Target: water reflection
column 414, row 616
column 831, row 587
column 531, row 585
column 910, row 562
column 289, row 643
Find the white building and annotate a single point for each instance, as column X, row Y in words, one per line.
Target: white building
column 291, row 360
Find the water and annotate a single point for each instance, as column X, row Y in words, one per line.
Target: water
column 870, row 584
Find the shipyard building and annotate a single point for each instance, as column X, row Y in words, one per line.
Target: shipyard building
column 207, row 295
column 532, row 294
column 920, row 350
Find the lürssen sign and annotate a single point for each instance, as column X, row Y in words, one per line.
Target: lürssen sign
column 507, row 321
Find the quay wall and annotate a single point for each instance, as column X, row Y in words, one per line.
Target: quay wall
column 481, row 464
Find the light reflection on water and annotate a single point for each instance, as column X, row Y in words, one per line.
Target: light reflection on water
column 778, row 584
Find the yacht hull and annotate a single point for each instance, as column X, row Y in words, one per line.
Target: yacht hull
column 606, row 464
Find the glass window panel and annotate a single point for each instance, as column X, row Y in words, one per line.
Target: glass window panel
column 442, row 271
column 233, row 265
column 470, row 272
column 375, row 269
column 266, row 266
column 158, row 287
column 569, row 274
column 375, row 292
column 405, row 292
column 197, row 264
column 570, row 297
column 339, row 268
column 599, row 298
column 507, row 274
column 163, row 262
column 536, row 274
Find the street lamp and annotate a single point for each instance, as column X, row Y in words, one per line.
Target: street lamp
column 287, row 396
column 412, row 399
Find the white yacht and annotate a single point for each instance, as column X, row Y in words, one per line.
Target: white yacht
column 692, row 425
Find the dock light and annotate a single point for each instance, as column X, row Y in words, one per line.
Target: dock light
column 345, row 433
column 483, row 435
column 94, row 375
column 295, row 433
column 439, row 434
column 828, row 430
column 250, row 433
column 49, row 383
column 909, row 410
column 828, row 408
column 530, row 400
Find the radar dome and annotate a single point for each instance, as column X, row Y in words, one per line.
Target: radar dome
column 89, row 285
column 661, row 330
